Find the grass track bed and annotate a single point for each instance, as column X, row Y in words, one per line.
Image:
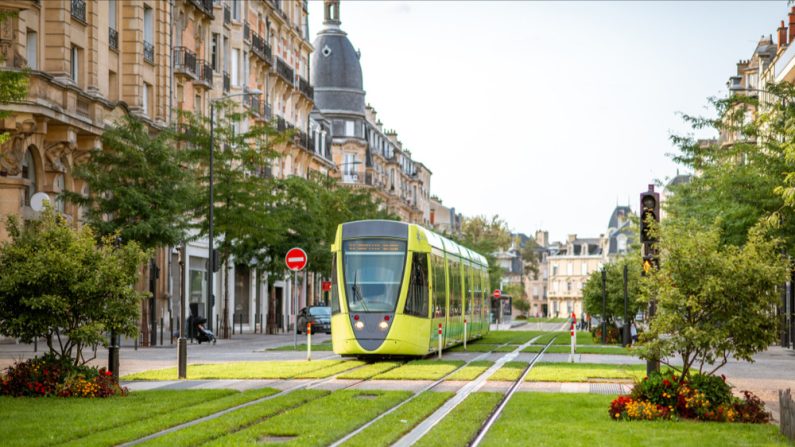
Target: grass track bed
column 389, row 429
column 583, row 372
column 100, row 421
column 232, row 422
column 318, row 423
column 421, row 370
column 543, row 419
column 588, row 349
column 472, row 371
column 511, row 337
column 331, row 370
column 323, row 346
column 239, row 370
column 509, row 372
column 461, row 425
column 368, row 371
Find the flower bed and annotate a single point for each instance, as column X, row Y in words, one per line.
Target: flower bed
column 49, row 376
column 701, row 397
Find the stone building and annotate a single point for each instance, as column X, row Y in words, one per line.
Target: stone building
column 367, row 154
column 570, row 264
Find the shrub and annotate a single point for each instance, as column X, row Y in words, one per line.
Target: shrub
column 613, row 334
column 53, row 376
column 751, row 409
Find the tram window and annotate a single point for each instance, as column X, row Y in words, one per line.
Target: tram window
column 335, row 294
column 439, row 287
column 417, row 299
column 455, row 289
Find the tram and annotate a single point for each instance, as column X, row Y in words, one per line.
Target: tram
column 394, row 284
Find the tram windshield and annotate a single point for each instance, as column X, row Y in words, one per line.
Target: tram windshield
column 373, row 270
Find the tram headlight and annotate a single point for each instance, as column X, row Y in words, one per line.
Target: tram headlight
column 383, row 325
column 359, row 325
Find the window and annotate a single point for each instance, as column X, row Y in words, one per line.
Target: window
column 569, row 268
column 197, row 104
column 621, row 242
column 112, row 14
column 349, row 166
column 149, row 25
column 439, row 287
column 373, row 271
column 59, row 188
column 75, row 64
column 554, row 270
column 29, row 174
column 455, row 289
column 145, row 98
column 235, row 66
column 417, row 299
column 214, row 51
column 584, row 268
column 32, row 49
column 335, row 293
column 245, row 61
column 236, row 9
column 349, row 128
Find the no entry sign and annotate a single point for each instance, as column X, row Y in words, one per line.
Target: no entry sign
column 497, row 293
column 295, row 259
column 326, row 286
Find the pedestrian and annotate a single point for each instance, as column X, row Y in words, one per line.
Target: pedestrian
column 633, row 331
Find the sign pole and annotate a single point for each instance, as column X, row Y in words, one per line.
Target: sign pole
column 295, row 311
column 465, row 333
column 309, row 341
column 440, row 341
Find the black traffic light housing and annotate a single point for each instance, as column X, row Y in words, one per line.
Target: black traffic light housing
column 649, row 212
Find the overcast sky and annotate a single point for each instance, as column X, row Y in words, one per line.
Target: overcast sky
column 548, row 114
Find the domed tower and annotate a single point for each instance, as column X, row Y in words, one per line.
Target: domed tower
column 337, row 76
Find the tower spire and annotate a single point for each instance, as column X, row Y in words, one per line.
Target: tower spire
column 331, row 12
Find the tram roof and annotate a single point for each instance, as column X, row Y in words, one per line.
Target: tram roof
column 442, row 243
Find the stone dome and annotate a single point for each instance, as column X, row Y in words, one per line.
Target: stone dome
column 336, row 72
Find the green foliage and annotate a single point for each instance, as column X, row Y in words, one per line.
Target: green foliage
column 531, row 258
column 592, row 291
column 714, row 301
column 61, row 284
column 139, row 186
column 486, row 236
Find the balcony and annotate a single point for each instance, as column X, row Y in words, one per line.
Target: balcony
column 185, row 62
column 284, row 70
column 113, row 39
column 227, row 15
column 205, row 6
column 227, row 82
column 204, row 74
column 149, row 52
column 261, row 48
column 301, row 139
column 246, row 32
column 306, row 89
column 79, row 10
column 281, row 124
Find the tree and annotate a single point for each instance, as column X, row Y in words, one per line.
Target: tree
column 531, row 257
column 486, row 236
column 714, row 300
column 520, row 303
column 60, row 284
column 140, row 187
column 614, row 309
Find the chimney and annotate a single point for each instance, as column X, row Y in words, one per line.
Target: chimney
column 782, row 36
column 791, row 33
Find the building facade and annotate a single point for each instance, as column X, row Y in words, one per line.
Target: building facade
column 570, row 265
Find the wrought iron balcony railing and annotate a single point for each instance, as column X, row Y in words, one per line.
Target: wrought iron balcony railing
column 305, row 88
column 184, row 61
column 261, row 48
column 227, row 15
column 79, row 10
column 285, row 71
column 113, row 39
column 204, row 73
column 149, row 52
column 205, row 6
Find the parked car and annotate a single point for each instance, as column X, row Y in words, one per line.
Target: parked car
column 319, row 316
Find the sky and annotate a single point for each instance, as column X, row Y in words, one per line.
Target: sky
column 548, row 114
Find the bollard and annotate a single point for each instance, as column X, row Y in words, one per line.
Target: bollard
column 573, row 338
column 161, row 331
column 171, row 328
column 261, row 326
column 440, row 341
column 136, row 343
column 241, row 325
column 309, row 341
column 233, row 323
column 465, row 334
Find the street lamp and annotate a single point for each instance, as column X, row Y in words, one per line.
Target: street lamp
column 211, row 258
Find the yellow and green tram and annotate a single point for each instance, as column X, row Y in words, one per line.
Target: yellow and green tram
column 394, row 283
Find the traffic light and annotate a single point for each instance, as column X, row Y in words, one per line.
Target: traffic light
column 649, row 212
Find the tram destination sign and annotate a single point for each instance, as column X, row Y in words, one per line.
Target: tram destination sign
column 376, row 246
column 295, row 259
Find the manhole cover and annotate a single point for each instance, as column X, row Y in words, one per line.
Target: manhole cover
column 273, row 439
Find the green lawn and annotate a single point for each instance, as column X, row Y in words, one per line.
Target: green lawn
column 509, row 372
column 462, row 424
column 542, row 419
column 324, row 346
column 587, row 349
column 389, row 429
column 546, row 320
column 471, row 371
column 368, row 371
column 236, row 420
column 317, row 423
column 240, row 370
column 583, row 372
column 87, row 422
column 331, row 370
column 421, row 370
column 510, row 337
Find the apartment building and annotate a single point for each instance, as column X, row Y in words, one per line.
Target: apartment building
column 570, row 264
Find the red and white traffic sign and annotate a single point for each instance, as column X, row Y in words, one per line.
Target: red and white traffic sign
column 497, row 293
column 295, row 259
column 326, row 286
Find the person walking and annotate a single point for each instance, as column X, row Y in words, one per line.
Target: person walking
column 633, row 332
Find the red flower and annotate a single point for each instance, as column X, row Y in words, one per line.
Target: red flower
column 666, row 382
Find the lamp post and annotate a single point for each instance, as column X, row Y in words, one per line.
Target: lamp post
column 210, row 235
